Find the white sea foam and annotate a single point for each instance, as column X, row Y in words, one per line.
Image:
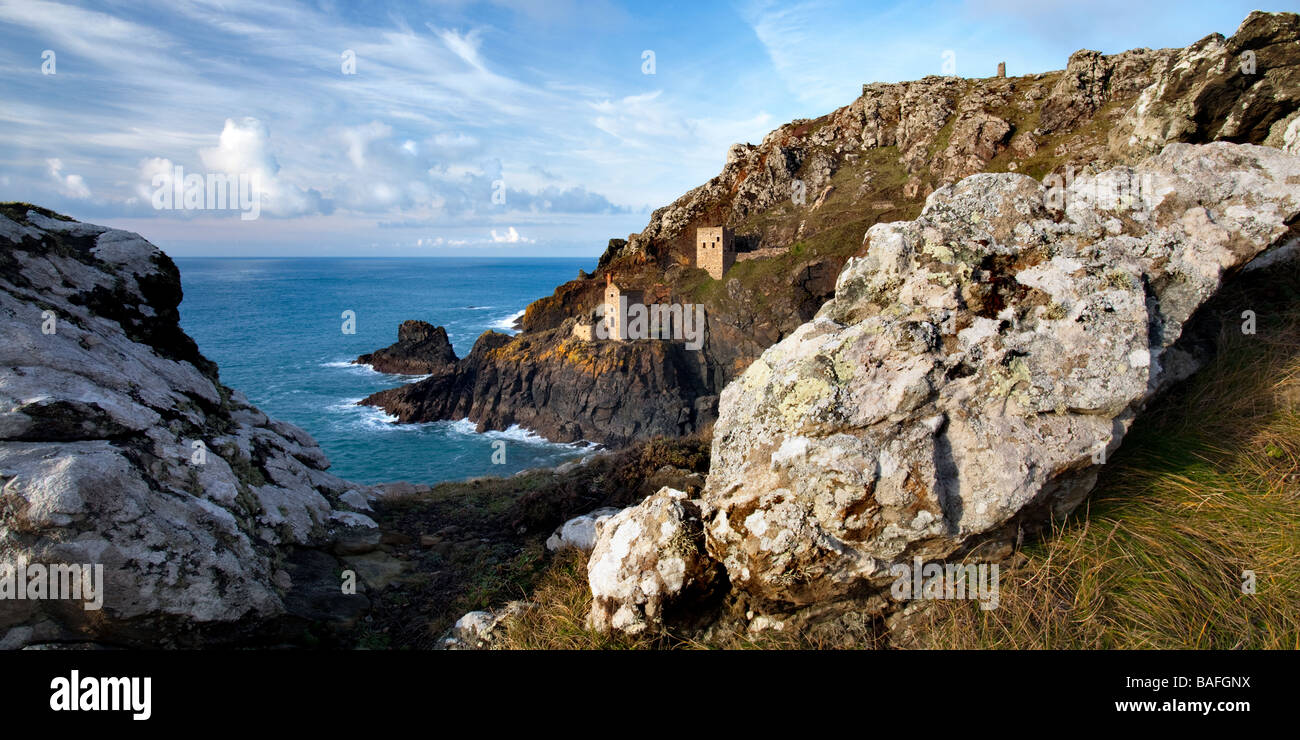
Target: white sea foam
column 347, row 405
column 507, row 323
column 369, row 371
column 513, row 433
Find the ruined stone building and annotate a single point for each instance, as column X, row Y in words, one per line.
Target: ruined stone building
column 584, row 329
column 616, row 302
column 715, row 250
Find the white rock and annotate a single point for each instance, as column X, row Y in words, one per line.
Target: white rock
column 580, row 531
column 973, row 360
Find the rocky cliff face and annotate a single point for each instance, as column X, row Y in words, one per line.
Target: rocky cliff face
column 565, row 389
column 801, row 200
column 879, row 156
column 974, row 369
column 120, row 447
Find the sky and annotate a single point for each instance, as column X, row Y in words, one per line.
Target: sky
column 456, row 128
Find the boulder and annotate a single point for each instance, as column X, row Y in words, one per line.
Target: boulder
column 648, row 558
column 580, row 531
column 482, row 630
column 978, row 364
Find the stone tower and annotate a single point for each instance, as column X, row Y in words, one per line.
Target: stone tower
column 1002, row 69
column 616, row 303
column 715, row 250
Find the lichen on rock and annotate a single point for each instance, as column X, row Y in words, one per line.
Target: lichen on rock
column 915, row 414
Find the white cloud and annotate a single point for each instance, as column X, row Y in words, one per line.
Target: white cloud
column 358, row 139
column 464, row 46
column 511, row 236
column 244, row 148
column 71, row 186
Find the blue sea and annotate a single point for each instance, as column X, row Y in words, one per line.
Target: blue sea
column 275, row 327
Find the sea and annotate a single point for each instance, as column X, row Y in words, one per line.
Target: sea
column 278, row 330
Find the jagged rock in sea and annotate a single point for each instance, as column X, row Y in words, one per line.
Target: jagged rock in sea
column 421, row 349
column 120, row 447
column 871, row 161
column 974, row 369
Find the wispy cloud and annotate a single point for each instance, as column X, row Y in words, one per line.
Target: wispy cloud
column 463, row 117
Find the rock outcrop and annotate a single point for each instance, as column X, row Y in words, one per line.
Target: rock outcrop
column 565, row 389
column 1235, row 89
column 974, row 369
column 977, row 362
column 120, row 448
column 421, row 349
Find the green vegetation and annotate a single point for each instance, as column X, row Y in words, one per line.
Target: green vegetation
column 17, row 211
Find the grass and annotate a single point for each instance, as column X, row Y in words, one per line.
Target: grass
column 559, row 620
column 17, row 211
column 1204, row 489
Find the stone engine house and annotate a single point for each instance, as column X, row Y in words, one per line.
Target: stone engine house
column 715, row 250
column 616, row 302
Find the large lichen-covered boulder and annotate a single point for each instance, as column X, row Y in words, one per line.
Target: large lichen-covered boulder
column 647, row 558
column 983, row 357
column 120, row 448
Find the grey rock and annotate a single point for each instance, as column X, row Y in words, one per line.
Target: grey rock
column 974, row 362
column 120, row 447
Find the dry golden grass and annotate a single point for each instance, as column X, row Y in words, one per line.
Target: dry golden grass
column 559, row 620
column 562, row 598
column 1207, row 486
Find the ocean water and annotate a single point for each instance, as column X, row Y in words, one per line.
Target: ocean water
column 275, row 327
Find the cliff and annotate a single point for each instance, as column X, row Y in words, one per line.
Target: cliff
column 120, row 448
column 564, row 389
column 801, row 200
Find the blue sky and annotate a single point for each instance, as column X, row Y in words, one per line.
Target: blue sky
column 517, row 127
